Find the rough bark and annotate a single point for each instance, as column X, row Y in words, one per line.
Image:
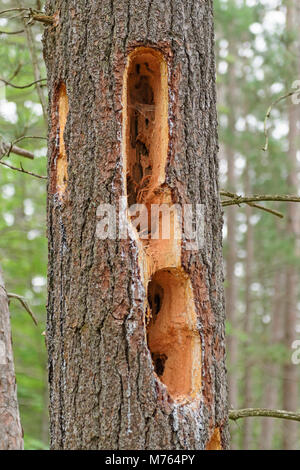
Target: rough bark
column 104, row 392
column 11, row 433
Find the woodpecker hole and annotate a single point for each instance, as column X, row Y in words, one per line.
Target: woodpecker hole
column 145, row 122
column 62, row 164
column 172, row 336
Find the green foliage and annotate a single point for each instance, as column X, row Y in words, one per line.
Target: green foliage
column 257, row 53
column 23, row 244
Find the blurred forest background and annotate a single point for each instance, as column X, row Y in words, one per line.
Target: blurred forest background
column 258, row 59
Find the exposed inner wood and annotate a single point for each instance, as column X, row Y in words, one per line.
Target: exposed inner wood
column 170, row 315
column 172, row 336
column 147, row 123
column 62, row 164
column 215, row 441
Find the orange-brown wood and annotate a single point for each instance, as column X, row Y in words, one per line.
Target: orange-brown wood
column 170, row 314
column 62, row 163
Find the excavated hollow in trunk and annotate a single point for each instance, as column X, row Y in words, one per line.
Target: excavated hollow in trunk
column 173, row 339
column 172, row 335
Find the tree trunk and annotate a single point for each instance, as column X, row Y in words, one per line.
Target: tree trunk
column 273, row 370
column 231, row 256
column 11, row 433
column 135, row 326
column 248, row 320
column 231, row 289
column 290, row 372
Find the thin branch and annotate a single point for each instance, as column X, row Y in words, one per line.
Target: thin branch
column 12, row 32
column 259, row 198
column 266, row 209
column 32, row 14
column 257, row 206
column 17, row 150
column 23, row 86
column 263, row 412
column 34, row 61
column 21, row 170
column 6, row 149
column 43, row 18
column 267, row 116
column 13, row 9
column 18, row 15
column 25, row 305
column 29, row 137
column 16, row 72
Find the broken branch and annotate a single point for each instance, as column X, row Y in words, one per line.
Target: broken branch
column 24, row 304
column 42, row 18
column 267, row 116
column 7, row 148
column 32, row 14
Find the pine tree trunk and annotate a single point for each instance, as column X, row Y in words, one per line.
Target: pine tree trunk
column 135, row 328
column 11, row 433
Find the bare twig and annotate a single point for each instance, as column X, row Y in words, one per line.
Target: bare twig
column 266, row 209
column 15, row 149
column 267, row 116
column 29, row 137
column 15, row 73
column 12, row 32
column 32, row 14
column 24, row 304
column 21, row 87
column 6, row 149
column 236, row 197
column 34, row 60
column 12, row 9
column 256, row 412
column 21, row 170
column 259, row 198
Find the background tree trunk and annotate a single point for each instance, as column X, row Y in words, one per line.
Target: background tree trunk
column 273, row 370
column 231, row 258
column 248, row 320
column 290, row 372
column 11, row 437
column 105, row 391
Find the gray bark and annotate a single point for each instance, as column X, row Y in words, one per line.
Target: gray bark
column 11, row 433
